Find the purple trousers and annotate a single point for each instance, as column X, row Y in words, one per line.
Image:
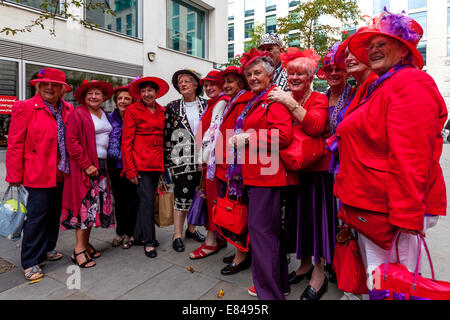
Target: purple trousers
column 269, row 261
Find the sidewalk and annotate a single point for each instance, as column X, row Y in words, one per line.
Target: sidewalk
column 129, row 274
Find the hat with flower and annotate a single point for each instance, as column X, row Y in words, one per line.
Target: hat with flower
column 328, row 60
column 294, row 53
column 396, row 26
column 248, row 57
column 106, row 87
column 53, row 76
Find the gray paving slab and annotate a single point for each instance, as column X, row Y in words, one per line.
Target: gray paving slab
column 231, row 290
column 175, row 283
column 47, row 289
column 11, row 279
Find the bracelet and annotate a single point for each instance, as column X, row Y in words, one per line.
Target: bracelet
column 294, row 108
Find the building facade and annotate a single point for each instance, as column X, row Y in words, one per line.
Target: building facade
column 151, row 38
column 433, row 15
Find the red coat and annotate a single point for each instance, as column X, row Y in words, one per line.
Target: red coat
column 261, row 123
column 142, row 139
column 82, row 149
column 228, row 123
column 31, row 157
column 389, row 148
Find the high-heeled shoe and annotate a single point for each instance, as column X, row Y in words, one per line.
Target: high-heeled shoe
column 294, row 278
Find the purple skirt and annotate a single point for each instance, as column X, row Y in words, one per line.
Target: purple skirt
column 311, row 222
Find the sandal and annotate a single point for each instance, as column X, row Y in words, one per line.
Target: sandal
column 127, row 243
column 34, row 273
column 200, row 253
column 94, row 254
column 118, row 241
column 54, row 255
column 86, row 256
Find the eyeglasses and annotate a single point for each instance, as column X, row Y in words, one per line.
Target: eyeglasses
column 378, row 46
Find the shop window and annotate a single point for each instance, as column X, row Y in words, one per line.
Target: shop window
column 9, row 92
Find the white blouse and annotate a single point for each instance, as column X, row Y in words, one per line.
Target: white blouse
column 102, row 130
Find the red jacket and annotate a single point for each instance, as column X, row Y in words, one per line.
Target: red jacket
column 31, row 157
column 228, row 124
column 389, row 148
column 82, row 149
column 142, row 139
column 262, row 168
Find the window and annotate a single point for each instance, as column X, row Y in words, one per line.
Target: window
column 421, row 18
column 231, row 51
column 37, row 4
column 231, row 11
column 417, row 4
column 9, row 92
column 250, row 7
column 448, row 46
column 293, row 3
column 448, row 19
column 294, row 40
column 247, row 45
column 271, row 5
column 271, row 24
column 249, row 26
column 422, row 47
column 125, row 11
column 378, row 6
column 186, row 28
column 231, row 32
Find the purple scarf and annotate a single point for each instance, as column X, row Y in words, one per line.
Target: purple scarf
column 63, row 165
column 212, row 163
column 115, row 138
column 234, row 171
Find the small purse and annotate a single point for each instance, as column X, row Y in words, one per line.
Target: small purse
column 393, row 281
column 348, row 264
column 231, row 215
column 373, row 225
column 198, row 210
column 13, row 213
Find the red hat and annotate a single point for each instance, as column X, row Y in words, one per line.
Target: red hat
column 106, row 87
column 209, row 77
column 230, row 70
column 123, row 88
column 51, row 75
column 162, row 85
column 328, row 60
column 295, row 53
column 248, row 57
column 396, row 26
column 339, row 57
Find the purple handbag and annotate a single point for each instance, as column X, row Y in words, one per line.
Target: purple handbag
column 198, row 211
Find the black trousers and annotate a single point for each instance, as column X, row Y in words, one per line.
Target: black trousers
column 126, row 200
column 41, row 229
column 145, row 224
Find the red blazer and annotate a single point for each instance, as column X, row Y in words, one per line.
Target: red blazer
column 142, row 139
column 261, row 123
column 228, row 124
column 31, row 157
column 389, row 148
column 82, row 149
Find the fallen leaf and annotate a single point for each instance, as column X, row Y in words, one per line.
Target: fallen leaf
column 220, row 294
column 35, row 281
column 191, row 269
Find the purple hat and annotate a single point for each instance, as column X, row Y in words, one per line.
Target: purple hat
column 328, row 60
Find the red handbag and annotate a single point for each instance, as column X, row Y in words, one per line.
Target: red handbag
column 372, row 225
column 348, row 264
column 393, row 281
column 231, row 215
column 303, row 151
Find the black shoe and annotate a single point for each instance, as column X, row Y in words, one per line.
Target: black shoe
column 294, row 278
column 197, row 236
column 178, row 245
column 229, row 259
column 311, row 294
column 150, row 254
column 233, row 268
column 140, row 243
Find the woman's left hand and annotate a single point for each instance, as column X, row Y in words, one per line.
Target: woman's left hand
column 282, row 97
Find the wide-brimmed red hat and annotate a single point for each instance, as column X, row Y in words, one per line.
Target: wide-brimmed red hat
column 210, row 76
column 51, row 75
column 106, row 87
column 248, row 57
column 122, row 88
column 328, row 60
column 396, row 26
column 339, row 57
column 230, row 70
column 136, row 92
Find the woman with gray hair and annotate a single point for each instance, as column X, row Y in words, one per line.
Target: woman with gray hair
column 262, row 126
column 310, row 221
